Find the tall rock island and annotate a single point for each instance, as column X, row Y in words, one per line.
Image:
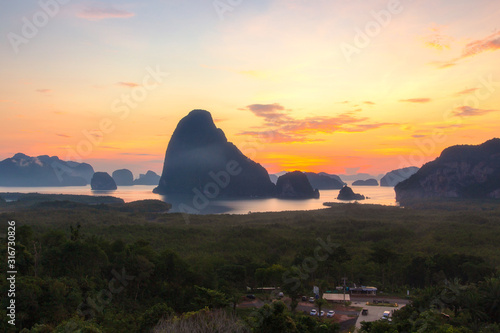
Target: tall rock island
column 200, row 161
column 464, row 171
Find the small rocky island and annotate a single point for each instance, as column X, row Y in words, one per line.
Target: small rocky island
column 123, row 177
column 149, row 178
column 346, row 193
column 102, row 181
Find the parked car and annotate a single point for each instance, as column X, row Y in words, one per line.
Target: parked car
column 251, row 296
column 330, row 314
column 280, row 294
column 386, row 315
column 322, row 313
column 304, row 298
column 313, row 312
column 364, row 312
column 311, row 299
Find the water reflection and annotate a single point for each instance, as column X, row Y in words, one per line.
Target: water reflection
column 190, row 204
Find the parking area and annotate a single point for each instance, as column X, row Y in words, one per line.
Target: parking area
column 374, row 312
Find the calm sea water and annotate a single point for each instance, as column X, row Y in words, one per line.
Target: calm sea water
column 376, row 194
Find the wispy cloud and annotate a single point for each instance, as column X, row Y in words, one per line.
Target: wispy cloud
column 44, row 91
column 369, row 102
column 63, row 135
column 489, row 43
column 468, row 111
column 127, row 84
column 283, row 127
column 101, row 11
column 416, row 100
column 466, row 91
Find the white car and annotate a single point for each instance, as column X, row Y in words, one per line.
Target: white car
column 322, row 313
column 330, row 314
column 313, row 312
column 386, row 315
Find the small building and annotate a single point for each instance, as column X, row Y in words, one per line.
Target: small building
column 336, row 297
column 363, row 290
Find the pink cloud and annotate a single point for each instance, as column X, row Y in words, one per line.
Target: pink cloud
column 466, row 91
column 489, row 43
column 280, row 126
column 416, row 100
column 468, row 111
column 44, row 91
column 96, row 13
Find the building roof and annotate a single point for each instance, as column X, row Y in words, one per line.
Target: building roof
column 336, row 297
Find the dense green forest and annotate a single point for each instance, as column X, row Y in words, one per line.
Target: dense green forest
column 124, row 267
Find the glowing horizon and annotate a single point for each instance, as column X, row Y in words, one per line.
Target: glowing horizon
column 333, row 87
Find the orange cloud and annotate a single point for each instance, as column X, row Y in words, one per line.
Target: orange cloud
column 127, row 84
column 63, row 135
column 369, row 102
column 416, row 100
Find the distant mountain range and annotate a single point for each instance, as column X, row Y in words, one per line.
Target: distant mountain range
column 46, row 171
column 24, row 170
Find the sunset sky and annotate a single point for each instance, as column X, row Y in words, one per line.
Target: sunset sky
column 327, row 85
